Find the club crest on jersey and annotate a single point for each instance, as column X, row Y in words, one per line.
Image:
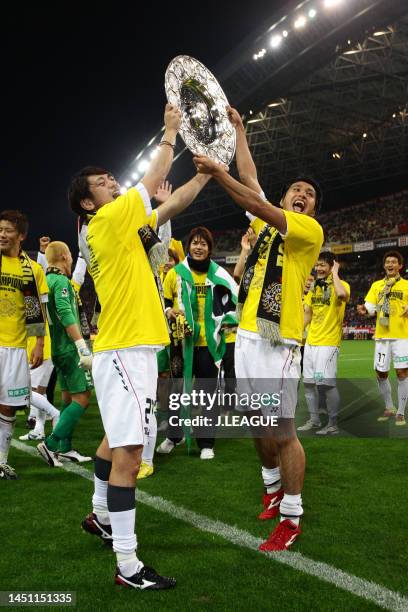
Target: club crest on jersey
column 64, row 292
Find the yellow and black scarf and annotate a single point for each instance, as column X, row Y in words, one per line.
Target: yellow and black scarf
column 383, row 304
column 326, row 287
column 269, row 307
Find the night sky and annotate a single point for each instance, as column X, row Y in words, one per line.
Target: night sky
column 86, row 87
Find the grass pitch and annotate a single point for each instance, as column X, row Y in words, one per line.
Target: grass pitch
column 354, row 499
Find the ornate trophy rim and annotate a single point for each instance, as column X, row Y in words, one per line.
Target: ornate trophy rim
column 205, row 127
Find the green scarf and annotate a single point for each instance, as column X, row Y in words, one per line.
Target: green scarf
column 34, row 316
column 268, row 313
column 219, row 311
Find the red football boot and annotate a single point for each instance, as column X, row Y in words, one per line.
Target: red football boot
column 282, row 537
column 271, row 502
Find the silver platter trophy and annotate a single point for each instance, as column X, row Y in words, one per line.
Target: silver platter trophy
column 205, row 127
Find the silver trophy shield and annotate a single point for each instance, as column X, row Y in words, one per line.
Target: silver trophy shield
column 205, row 127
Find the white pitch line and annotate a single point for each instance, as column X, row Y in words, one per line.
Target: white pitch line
column 370, row 591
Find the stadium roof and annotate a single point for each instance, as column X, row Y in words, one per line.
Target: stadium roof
column 329, row 98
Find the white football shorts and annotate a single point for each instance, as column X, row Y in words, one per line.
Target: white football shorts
column 265, row 369
column 14, row 377
column 40, row 377
column 385, row 349
column 320, row 365
column 125, row 385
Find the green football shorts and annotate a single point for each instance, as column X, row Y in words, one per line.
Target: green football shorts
column 70, row 376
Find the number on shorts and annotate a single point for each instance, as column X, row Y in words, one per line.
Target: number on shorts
column 380, row 359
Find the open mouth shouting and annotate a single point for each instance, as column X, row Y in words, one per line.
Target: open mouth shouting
column 298, row 205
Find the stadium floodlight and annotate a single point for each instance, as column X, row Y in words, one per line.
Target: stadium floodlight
column 135, row 176
column 285, row 33
column 312, row 13
column 330, row 3
column 276, row 41
column 365, row 135
column 128, row 184
column 300, row 22
column 154, row 153
column 394, row 115
column 143, row 165
column 123, row 190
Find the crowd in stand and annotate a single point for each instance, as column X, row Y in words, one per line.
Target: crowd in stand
column 379, row 218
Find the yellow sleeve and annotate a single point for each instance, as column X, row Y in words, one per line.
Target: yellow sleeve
column 128, row 214
column 307, row 299
column 257, row 225
column 40, row 278
column 372, row 294
column 170, row 286
column 347, row 287
column 303, row 232
column 152, row 220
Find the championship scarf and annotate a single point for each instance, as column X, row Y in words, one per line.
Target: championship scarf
column 34, row 316
column 219, row 311
column 269, row 306
column 383, row 304
column 326, row 285
column 83, row 321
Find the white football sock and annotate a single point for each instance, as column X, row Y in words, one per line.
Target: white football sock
column 312, row 399
column 99, row 501
column 150, row 445
column 402, row 395
column 384, row 386
column 39, row 422
column 291, row 508
column 41, row 402
column 272, row 479
column 6, row 433
column 124, row 541
column 333, row 404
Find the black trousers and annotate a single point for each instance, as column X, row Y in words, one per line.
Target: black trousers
column 206, row 376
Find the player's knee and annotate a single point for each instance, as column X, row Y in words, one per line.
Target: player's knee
column 9, row 411
column 127, row 460
column 381, row 375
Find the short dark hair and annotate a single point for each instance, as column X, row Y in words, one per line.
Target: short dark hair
column 79, row 187
column 395, row 254
column 327, row 256
column 17, row 218
column 204, row 233
column 310, row 181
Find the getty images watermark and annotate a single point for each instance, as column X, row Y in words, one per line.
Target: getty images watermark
column 263, row 403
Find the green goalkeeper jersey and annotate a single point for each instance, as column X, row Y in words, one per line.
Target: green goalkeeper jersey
column 62, row 311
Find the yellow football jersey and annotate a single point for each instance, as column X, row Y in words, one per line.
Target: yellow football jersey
column 326, row 326
column 131, row 310
column 398, row 327
column 257, row 225
column 13, row 331
column 170, row 293
column 297, row 255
